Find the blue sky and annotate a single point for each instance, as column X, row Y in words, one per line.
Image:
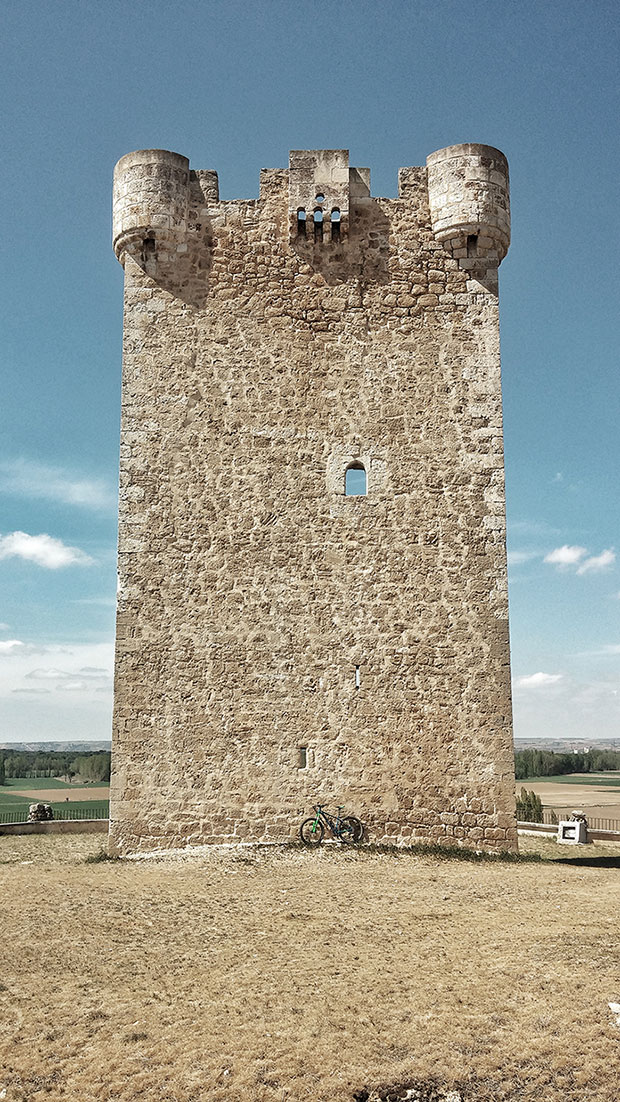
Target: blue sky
column 234, row 86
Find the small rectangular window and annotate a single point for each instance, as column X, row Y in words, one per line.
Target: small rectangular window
column 302, row 759
column 357, row 677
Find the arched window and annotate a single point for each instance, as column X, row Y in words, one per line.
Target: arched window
column 318, row 224
column 335, row 223
column 301, row 222
column 355, row 480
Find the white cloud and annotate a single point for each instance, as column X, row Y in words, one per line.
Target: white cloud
column 597, row 563
column 5, row 627
column 538, row 680
column 43, row 550
column 565, row 555
column 21, row 476
column 10, row 646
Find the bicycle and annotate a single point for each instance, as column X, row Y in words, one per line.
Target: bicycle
column 346, row 828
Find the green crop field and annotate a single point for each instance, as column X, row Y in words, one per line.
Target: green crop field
column 19, row 792
column 17, row 783
column 603, row 780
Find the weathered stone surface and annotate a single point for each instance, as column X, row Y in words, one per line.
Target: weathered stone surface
column 259, row 364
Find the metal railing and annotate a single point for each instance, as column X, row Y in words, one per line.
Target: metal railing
column 552, row 816
column 97, row 811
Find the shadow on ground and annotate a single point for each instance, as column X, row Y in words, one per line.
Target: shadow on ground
column 590, row 862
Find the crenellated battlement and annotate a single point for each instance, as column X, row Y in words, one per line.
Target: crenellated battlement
column 466, row 188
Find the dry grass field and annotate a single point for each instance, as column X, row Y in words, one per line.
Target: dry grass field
column 282, row 975
column 70, row 794
column 595, row 799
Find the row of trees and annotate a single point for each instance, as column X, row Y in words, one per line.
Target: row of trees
column 529, row 807
column 93, row 766
column 546, row 763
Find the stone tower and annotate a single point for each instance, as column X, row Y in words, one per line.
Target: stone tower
column 313, row 601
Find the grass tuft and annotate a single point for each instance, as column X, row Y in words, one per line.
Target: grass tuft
column 101, row 855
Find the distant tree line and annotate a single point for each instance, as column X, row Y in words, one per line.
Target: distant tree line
column 547, row 763
column 93, row 766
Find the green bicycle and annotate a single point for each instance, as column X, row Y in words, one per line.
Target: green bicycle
column 346, row 828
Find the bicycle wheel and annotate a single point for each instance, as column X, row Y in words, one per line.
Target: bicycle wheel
column 358, row 827
column 311, row 832
column 346, row 833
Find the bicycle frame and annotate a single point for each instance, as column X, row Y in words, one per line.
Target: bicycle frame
column 332, row 824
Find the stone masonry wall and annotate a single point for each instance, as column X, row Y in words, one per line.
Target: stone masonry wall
column 258, row 365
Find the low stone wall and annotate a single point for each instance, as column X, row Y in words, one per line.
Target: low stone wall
column 58, row 826
column 551, row 829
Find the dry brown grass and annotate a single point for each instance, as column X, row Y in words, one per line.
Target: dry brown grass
column 56, row 795
column 593, row 799
column 285, row 976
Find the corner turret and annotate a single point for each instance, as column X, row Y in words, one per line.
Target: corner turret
column 468, row 191
column 151, row 190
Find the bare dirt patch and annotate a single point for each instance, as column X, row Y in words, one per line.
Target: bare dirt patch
column 64, row 795
column 278, row 976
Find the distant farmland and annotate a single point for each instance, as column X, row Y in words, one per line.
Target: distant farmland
column 19, row 792
column 597, row 794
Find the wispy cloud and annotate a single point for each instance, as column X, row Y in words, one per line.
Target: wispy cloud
column 104, row 602
column 600, row 652
column 538, row 680
column 37, row 480
column 10, row 646
column 82, row 672
column 515, row 558
column 597, row 563
column 43, row 550
column 565, row 555
column 76, row 697
column 532, row 529
column 30, row 692
column 85, row 673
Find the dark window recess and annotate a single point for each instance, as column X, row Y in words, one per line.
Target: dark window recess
column 472, row 244
column 318, row 225
column 335, row 222
column 301, row 222
column 302, row 757
column 355, row 483
column 148, row 246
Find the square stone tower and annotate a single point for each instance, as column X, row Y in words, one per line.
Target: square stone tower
column 313, row 602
